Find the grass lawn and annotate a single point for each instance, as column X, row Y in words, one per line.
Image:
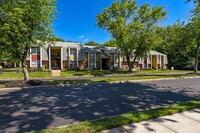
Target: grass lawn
column 69, row 73
column 124, row 119
column 164, row 71
column 98, row 80
column 4, row 84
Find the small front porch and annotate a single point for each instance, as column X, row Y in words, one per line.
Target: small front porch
column 55, row 58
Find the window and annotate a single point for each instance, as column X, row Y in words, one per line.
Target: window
column 35, row 63
column 73, row 52
column 91, row 65
column 53, row 54
column 91, row 55
column 58, row 55
column 116, row 65
column 73, row 63
column 36, row 51
column 58, row 64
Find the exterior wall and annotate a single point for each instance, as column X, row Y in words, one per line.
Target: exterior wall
column 65, row 53
column 45, row 54
column 45, row 64
column 154, row 60
column 81, row 65
column 98, row 61
column 65, row 64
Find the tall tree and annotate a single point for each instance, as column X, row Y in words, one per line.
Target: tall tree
column 190, row 37
column 25, row 24
column 132, row 27
column 193, row 32
column 92, row 43
column 173, row 43
column 110, row 43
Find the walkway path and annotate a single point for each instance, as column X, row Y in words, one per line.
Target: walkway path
column 186, row 122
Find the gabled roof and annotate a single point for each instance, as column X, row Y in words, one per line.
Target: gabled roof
column 100, row 49
column 153, row 52
column 65, row 44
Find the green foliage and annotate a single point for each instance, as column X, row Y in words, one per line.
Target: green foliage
column 92, row 43
column 110, row 43
column 132, row 27
column 23, row 23
column 58, row 39
column 181, row 42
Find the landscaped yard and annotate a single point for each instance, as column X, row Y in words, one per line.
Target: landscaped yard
column 69, row 73
column 95, row 80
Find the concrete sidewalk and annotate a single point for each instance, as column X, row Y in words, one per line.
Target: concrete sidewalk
column 185, row 122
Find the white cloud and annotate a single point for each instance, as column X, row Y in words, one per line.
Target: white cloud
column 85, row 40
column 81, row 37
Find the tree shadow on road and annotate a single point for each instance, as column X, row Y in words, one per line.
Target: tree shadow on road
column 46, row 107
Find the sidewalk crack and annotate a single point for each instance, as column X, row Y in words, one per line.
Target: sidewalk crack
column 125, row 129
column 166, row 126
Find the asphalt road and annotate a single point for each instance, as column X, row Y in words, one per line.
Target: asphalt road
column 47, row 107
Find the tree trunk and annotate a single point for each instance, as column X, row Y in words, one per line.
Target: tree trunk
column 129, row 63
column 15, row 65
column 196, row 60
column 25, row 71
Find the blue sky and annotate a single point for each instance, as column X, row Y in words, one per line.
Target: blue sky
column 77, row 18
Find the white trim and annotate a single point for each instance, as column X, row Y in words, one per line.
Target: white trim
column 30, row 57
column 160, row 62
column 61, row 58
column 49, row 58
column 142, row 62
column 69, row 56
column 40, row 57
column 77, row 57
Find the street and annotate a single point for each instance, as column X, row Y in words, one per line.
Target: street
column 48, row 107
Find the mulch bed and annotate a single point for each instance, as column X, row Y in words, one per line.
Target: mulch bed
column 23, row 83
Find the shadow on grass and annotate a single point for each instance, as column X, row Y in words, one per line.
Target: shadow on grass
column 47, row 107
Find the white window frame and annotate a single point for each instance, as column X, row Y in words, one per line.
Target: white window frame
column 35, row 51
column 36, row 63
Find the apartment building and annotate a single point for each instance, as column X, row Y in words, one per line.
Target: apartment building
column 63, row 55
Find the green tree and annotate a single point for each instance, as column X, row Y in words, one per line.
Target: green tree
column 192, row 31
column 189, row 38
column 58, row 39
column 110, row 43
column 173, row 41
column 25, row 24
column 92, row 43
column 132, row 27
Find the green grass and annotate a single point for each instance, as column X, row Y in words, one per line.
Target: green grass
column 70, row 73
column 124, row 119
column 164, row 71
column 33, row 75
column 98, row 80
